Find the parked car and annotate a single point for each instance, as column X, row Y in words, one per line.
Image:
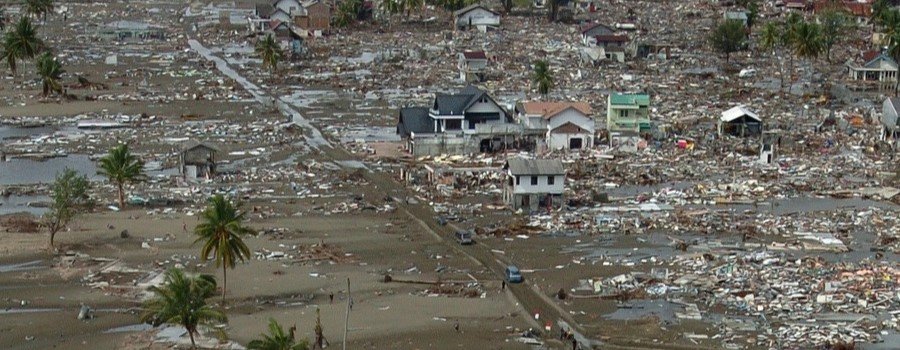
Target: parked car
column 464, row 237
column 513, row 275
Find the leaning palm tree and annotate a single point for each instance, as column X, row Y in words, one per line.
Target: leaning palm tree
column 277, row 339
column 222, row 231
column 181, row 299
column 808, row 40
column 50, row 71
column 121, row 167
column 269, row 51
column 542, row 77
column 21, row 43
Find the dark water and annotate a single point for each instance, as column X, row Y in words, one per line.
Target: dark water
column 19, row 204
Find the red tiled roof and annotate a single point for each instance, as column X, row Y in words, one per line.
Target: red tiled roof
column 475, row 55
column 551, row 109
column 612, row 38
column 870, row 55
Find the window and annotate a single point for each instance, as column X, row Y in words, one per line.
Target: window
column 551, row 179
column 623, row 114
column 518, row 180
column 534, row 180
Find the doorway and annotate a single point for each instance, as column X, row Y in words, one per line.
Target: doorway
column 575, row 143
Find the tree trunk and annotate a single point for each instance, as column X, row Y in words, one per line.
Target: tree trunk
column 121, row 196
column 52, row 236
column 191, row 334
column 224, row 281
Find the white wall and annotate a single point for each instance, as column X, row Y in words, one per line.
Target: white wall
column 525, row 185
column 561, row 141
column 573, row 116
column 479, row 16
column 484, row 107
column 291, row 7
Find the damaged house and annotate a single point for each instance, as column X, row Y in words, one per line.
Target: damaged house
column 465, row 122
column 310, row 16
column 476, row 16
column 878, row 67
column 740, row 121
column 565, row 125
column 472, row 66
column 889, row 125
column 198, row 160
column 532, row 184
column 591, row 31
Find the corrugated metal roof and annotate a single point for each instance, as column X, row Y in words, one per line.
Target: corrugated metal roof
column 522, row 166
column 737, row 112
column 630, row 99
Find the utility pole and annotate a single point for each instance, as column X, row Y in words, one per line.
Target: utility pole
column 347, row 318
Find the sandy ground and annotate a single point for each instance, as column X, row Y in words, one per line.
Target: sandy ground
column 384, row 314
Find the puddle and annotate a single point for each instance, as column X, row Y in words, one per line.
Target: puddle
column 889, row 342
column 31, row 265
column 637, row 309
column 26, row 311
column 370, row 134
column 29, row 171
column 130, row 328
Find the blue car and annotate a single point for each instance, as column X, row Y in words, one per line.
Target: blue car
column 513, row 275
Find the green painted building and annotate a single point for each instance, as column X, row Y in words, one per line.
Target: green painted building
column 628, row 112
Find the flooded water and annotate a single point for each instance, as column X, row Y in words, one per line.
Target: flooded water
column 25, row 266
column 20, row 204
column 7, row 133
column 29, row 171
column 26, row 311
column 130, row 328
column 637, row 309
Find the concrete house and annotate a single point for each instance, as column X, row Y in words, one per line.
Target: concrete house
column 198, row 160
column 476, row 16
column 628, row 112
column 472, row 66
column 532, row 184
column 566, row 125
column 739, row 121
column 878, row 67
column 590, row 31
column 316, row 16
column 290, row 7
column 889, row 126
column 739, row 16
column 130, row 31
column 465, row 122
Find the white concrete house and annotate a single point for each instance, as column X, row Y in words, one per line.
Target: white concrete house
column 568, row 125
column 292, row 8
column 476, row 16
column 533, row 184
column 472, row 65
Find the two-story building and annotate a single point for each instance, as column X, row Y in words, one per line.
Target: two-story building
column 532, row 184
column 565, row 125
column 472, row 65
column 628, row 112
column 470, row 119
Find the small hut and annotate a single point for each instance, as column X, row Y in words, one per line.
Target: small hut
column 198, row 159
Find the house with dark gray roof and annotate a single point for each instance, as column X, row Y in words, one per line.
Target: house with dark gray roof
column 455, row 114
column 533, row 184
column 470, row 119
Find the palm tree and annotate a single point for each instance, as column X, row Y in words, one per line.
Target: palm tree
column 50, row 71
column 808, row 40
column 2, row 18
column 269, row 51
column 277, row 339
column 542, row 77
column 222, row 232
column 121, row 167
column 21, row 43
column 38, row 8
column 181, row 299
column 879, row 7
column 771, row 38
column 392, row 7
column 410, row 5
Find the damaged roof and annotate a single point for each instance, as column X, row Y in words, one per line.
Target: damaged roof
column 472, row 7
column 191, row 144
column 475, row 55
column 737, row 112
column 629, row 99
column 522, row 166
